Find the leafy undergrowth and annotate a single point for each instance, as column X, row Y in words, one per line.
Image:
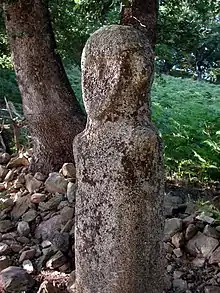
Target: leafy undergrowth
column 187, row 114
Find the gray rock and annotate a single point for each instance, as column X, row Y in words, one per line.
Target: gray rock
column 171, row 203
column 23, row 228
column 38, row 197
column 29, row 216
column 199, row 262
column 45, row 244
column 51, row 204
column 215, row 256
column 4, row 249
column 39, row 176
column 47, row 228
column 10, row 176
column 56, row 183
column 4, row 158
column 21, row 206
column 41, row 261
column 28, row 266
column 23, row 239
column 191, row 231
column 172, row 226
column 211, row 232
column 178, row 252
column 5, row 226
column 21, row 179
column 4, row 262
column 71, row 192
column 178, row 239
column 3, row 172
column 179, row 285
column 15, row 247
column 202, row 245
column 62, row 204
column 69, row 170
column 68, row 226
column 60, row 241
column 178, row 274
column 15, row 280
column 6, row 203
column 56, row 261
column 9, row 236
column 66, row 214
column 204, row 218
column 212, row 289
column 32, row 184
column 27, row 254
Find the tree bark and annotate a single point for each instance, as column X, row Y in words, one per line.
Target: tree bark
column 52, row 112
column 141, row 14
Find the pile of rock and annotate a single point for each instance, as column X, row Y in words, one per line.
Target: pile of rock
column 192, row 244
column 37, row 234
column 36, row 219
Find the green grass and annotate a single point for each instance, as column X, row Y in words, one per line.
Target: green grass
column 187, row 114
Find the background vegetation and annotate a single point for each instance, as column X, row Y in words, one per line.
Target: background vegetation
column 186, row 91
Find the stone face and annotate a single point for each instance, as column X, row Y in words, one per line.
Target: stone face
column 15, row 280
column 56, row 183
column 202, row 244
column 120, row 178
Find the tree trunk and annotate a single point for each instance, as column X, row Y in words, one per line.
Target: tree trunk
column 52, row 112
column 141, row 14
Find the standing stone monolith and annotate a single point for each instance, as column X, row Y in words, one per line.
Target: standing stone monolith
column 119, row 201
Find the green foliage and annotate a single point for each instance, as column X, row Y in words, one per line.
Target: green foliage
column 209, row 209
column 188, row 36
column 8, row 86
column 74, row 21
column 74, row 76
column 187, row 114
